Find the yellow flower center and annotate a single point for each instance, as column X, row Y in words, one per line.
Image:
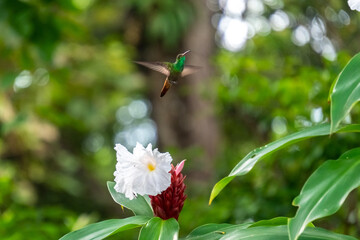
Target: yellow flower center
column 150, row 163
column 151, row 166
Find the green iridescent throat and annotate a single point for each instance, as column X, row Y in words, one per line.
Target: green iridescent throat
column 179, row 64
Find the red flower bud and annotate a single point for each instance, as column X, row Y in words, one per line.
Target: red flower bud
column 170, row 202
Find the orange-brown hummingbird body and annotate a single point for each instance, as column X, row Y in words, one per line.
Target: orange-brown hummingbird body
column 172, row 71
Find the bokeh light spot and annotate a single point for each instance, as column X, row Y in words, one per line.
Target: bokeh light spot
column 234, row 33
column 144, row 133
column 300, row 36
column 279, row 20
column 317, row 115
column 23, row 80
column 255, row 7
column 278, row 125
column 344, row 17
column 41, row 76
column 123, row 116
column 138, row 109
column 233, row 7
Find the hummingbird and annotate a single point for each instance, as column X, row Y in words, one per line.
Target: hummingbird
column 173, row 71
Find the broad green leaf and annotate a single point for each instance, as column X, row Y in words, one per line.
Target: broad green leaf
column 210, row 227
column 214, row 231
column 219, row 186
column 248, row 162
column 139, row 205
column 271, row 222
column 280, row 233
column 325, row 190
column 346, row 92
column 158, row 229
column 106, row 228
column 278, row 221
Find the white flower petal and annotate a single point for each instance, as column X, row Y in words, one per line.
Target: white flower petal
column 138, row 150
column 149, row 147
column 145, row 172
column 354, row 5
column 123, row 153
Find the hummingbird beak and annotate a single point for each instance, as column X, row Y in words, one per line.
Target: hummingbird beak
column 183, row 54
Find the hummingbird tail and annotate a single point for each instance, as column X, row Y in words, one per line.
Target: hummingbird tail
column 165, row 87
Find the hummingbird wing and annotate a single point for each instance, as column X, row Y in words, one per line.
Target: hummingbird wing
column 157, row 66
column 189, row 69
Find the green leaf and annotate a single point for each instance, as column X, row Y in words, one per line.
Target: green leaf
column 271, row 222
column 325, row 190
column 158, row 229
column 213, row 231
column 346, row 92
column 248, row 162
column 139, row 205
column 210, row 227
column 106, row 228
column 280, row 233
column 219, row 186
column 278, row 221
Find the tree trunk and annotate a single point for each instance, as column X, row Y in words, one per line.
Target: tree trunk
column 200, row 101
column 185, row 115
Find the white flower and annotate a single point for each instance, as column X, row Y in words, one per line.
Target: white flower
column 354, row 5
column 144, row 172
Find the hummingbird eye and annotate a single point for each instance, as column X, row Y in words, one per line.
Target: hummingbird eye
column 178, row 56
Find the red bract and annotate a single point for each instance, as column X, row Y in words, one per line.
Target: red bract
column 169, row 203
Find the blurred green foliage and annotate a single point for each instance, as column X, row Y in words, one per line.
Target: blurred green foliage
column 266, row 91
column 65, row 71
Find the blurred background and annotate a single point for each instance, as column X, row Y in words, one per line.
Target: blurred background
column 69, row 91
